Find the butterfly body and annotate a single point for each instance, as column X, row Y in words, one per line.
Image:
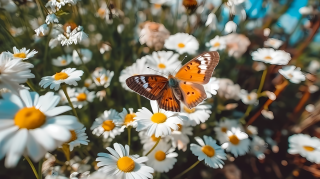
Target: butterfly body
column 186, row 86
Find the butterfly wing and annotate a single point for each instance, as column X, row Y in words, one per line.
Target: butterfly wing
column 199, row 69
column 192, row 93
column 168, row 101
column 149, row 86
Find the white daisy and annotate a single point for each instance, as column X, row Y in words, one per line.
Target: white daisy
column 31, row 125
column 102, row 77
column 122, row 165
column 274, row 43
column 209, row 151
column 159, row 123
column 126, row 119
column 72, row 37
column 223, row 126
column 180, row 137
column 101, row 94
column 7, row 84
column 51, row 18
column 69, row 76
column 196, row 115
column 271, row 56
column 306, row 146
column 78, row 137
column 251, row 130
column 55, row 5
column 162, row 158
column 164, row 61
column 293, row 74
column 61, row 61
column 212, row 87
column 22, row 54
column 217, row 43
column 248, row 98
column 149, row 141
column 43, row 29
column 14, row 70
column 81, row 97
column 182, row 43
column 104, row 125
column 238, row 142
column 138, row 68
column 89, row 83
column 258, row 147
column 230, row 27
column 86, row 56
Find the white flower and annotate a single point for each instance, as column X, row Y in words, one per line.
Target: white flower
column 102, row 77
column 89, row 83
column 149, row 142
column 271, row 56
column 7, row 84
column 222, row 127
column 126, row 119
column 31, row 125
column 314, row 66
column 227, row 89
column 230, row 27
column 306, row 10
column 72, row 37
column 43, row 29
column 159, row 123
column 180, row 137
column 217, row 43
column 163, row 61
column 238, row 142
column 86, row 56
column 248, row 98
column 122, row 165
column 306, row 146
column 104, row 125
column 51, row 18
column 196, row 115
column 69, row 76
column 101, row 94
column 162, row 158
column 55, row 5
column 252, row 130
column 274, row 43
column 14, row 70
column 258, row 147
column 22, row 54
column 61, row 61
column 212, row 19
column 182, row 43
column 236, row 6
column 293, row 74
column 209, row 151
column 78, row 137
column 212, row 87
column 138, row 68
column 81, row 97
column 267, row 114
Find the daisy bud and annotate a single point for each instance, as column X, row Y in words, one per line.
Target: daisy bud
column 230, row 27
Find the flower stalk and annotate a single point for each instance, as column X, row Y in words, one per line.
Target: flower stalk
column 188, row 169
column 155, row 145
column 32, row 166
column 64, row 89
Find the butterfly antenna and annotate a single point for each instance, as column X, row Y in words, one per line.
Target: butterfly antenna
column 181, row 62
column 156, row 70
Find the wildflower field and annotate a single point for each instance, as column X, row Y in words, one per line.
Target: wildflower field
column 163, row 89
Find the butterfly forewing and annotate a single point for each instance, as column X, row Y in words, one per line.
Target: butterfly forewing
column 199, row 69
column 149, row 86
column 192, row 93
column 168, row 101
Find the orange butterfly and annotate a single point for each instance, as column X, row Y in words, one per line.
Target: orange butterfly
column 186, row 86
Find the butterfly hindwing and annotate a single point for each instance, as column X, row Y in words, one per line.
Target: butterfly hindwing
column 168, row 101
column 149, row 86
column 199, row 69
column 192, row 93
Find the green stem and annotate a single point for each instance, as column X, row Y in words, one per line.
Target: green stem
column 263, row 78
column 46, row 49
column 40, row 169
column 30, row 85
column 129, row 135
column 40, row 11
column 188, row 169
column 246, row 114
column 64, row 89
column 32, row 166
column 139, row 100
column 155, row 145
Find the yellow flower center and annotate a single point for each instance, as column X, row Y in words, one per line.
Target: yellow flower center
column 73, row 136
column 158, row 118
column 161, row 66
column 308, row 148
column 154, row 138
column 108, row 125
column 224, row 129
column 160, row 155
column 129, row 118
column 61, row 76
column 180, row 127
column 87, row 85
column 234, row 139
column 217, row 44
column 63, row 62
column 126, row 164
column 157, row 6
column 181, row 45
column 268, row 58
column 101, row 11
column 208, row 150
column 29, row 118
column 82, row 97
column 249, row 97
column 187, row 110
column 290, row 75
column 20, row 55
